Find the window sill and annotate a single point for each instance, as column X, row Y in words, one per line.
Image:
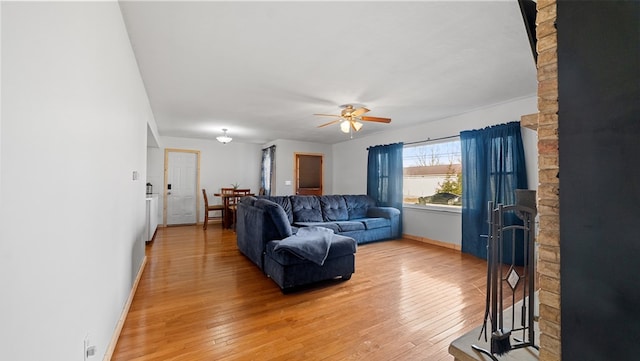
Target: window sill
column 434, row 208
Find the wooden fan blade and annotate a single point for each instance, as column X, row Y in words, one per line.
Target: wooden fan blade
column 359, row 111
column 376, row 119
column 331, row 122
column 328, row 115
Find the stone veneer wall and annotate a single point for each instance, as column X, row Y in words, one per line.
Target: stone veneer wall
column 548, row 187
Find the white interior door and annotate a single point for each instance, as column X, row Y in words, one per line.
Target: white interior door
column 181, row 188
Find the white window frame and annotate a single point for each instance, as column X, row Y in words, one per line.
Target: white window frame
column 432, row 207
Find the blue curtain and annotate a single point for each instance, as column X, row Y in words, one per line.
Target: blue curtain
column 493, row 167
column 267, row 174
column 384, row 176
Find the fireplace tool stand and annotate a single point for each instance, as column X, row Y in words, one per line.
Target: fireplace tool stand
column 505, row 282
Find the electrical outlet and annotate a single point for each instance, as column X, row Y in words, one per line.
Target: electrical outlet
column 89, row 349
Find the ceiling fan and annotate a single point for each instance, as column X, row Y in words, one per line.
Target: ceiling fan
column 350, row 118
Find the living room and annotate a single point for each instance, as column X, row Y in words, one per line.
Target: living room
column 344, row 174
column 74, row 128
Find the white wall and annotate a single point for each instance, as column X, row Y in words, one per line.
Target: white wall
column 0, row 106
column 220, row 166
column 285, row 164
column 350, row 173
column 74, row 123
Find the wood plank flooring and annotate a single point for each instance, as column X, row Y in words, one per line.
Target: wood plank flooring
column 200, row 299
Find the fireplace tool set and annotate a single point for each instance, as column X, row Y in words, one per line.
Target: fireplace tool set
column 510, row 328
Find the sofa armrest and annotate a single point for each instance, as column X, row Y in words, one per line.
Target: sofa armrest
column 393, row 214
column 383, row 212
column 259, row 221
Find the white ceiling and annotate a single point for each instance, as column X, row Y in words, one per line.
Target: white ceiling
column 261, row 69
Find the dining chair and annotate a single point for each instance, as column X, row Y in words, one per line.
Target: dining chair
column 226, row 190
column 233, row 203
column 229, row 202
column 242, row 192
column 210, row 208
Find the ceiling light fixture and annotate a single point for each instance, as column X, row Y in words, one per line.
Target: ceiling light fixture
column 350, row 118
column 224, row 139
column 345, row 126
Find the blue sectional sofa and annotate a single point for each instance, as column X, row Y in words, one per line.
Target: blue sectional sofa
column 263, row 222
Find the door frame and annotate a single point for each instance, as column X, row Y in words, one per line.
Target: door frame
column 296, row 170
column 166, row 179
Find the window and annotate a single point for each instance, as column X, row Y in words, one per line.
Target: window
column 432, row 174
column 267, row 175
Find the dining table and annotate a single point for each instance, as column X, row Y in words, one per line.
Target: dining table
column 229, row 200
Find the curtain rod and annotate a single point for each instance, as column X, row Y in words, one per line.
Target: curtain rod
column 432, row 140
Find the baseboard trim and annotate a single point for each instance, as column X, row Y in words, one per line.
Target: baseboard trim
column 125, row 312
column 433, row 242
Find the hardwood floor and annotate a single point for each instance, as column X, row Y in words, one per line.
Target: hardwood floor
column 200, row 299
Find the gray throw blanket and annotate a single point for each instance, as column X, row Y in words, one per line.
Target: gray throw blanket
column 310, row 243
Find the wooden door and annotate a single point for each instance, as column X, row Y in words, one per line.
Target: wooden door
column 308, row 174
column 181, row 187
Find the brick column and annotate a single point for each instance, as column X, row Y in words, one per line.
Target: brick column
column 548, row 187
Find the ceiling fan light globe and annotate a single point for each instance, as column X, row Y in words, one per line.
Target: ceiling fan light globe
column 357, row 126
column 344, row 126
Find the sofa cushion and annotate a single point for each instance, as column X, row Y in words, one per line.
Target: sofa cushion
column 306, row 209
column 331, row 225
column 334, row 208
column 340, row 246
column 373, row 223
column 370, row 235
column 347, row 226
column 357, row 205
column 282, row 201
